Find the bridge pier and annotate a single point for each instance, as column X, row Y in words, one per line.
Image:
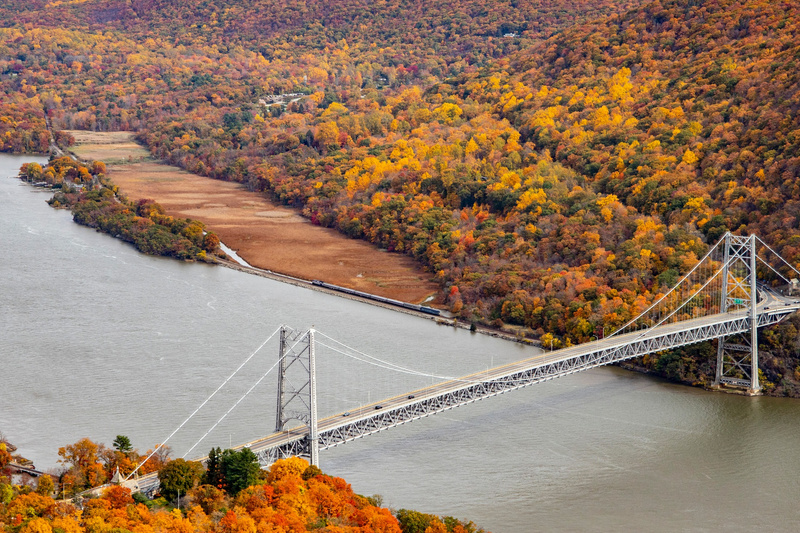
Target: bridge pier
column 737, row 362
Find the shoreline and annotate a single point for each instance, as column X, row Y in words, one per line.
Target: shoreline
column 445, row 319
column 441, row 320
column 263, row 233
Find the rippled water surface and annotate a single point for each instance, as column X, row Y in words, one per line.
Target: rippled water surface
column 98, row 340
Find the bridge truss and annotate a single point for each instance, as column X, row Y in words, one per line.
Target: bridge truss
column 724, row 281
column 719, row 298
column 487, row 384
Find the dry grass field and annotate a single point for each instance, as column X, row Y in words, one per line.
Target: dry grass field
column 111, row 148
column 264, row 234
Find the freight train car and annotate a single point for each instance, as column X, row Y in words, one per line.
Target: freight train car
column 390, row 301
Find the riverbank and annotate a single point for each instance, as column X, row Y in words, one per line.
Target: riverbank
column 443, row 320
column 93, row 144
column 275, row 240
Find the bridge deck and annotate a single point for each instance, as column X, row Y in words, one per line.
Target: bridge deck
column 400, row 409
column 369, row 419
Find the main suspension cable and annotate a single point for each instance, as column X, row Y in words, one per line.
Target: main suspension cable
column 397, row 368
column 778, row 256
column 384, row 364
column 669, row 292
column 256, row 384
column 388, row 364
column 161, row 445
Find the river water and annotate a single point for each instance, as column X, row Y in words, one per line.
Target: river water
column 97, row 340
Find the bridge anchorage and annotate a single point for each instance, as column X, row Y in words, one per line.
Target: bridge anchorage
column 726, row 296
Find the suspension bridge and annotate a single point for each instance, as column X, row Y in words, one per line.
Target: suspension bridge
column 740, row 285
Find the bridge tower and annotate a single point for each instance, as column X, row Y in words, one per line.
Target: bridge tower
column 737, row 355
column 297, row 389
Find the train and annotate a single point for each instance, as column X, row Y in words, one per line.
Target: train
column 414, row 307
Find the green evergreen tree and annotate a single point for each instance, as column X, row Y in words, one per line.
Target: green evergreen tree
column 123, row 444
column 214, row 475
column 240, row 469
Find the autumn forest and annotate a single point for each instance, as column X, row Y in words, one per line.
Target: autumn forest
column 548, row 162
column 554, row 165
column 230, row 494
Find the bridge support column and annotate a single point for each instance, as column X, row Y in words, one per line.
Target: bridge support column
column 313, row 433
column 737, row 361
column 297, row 387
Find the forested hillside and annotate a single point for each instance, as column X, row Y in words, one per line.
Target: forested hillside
column 435, row 37
column 556, row 170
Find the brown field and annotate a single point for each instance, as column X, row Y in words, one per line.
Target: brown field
column 264, row 234
column 112, row 148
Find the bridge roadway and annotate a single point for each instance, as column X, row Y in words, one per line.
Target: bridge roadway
column 391, row 412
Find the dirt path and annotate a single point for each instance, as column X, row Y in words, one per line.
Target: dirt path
column 264, row 234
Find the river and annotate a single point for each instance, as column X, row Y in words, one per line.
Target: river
column 98, row 340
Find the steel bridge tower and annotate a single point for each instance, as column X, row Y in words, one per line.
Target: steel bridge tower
column 297, row 389
column 737, row 355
